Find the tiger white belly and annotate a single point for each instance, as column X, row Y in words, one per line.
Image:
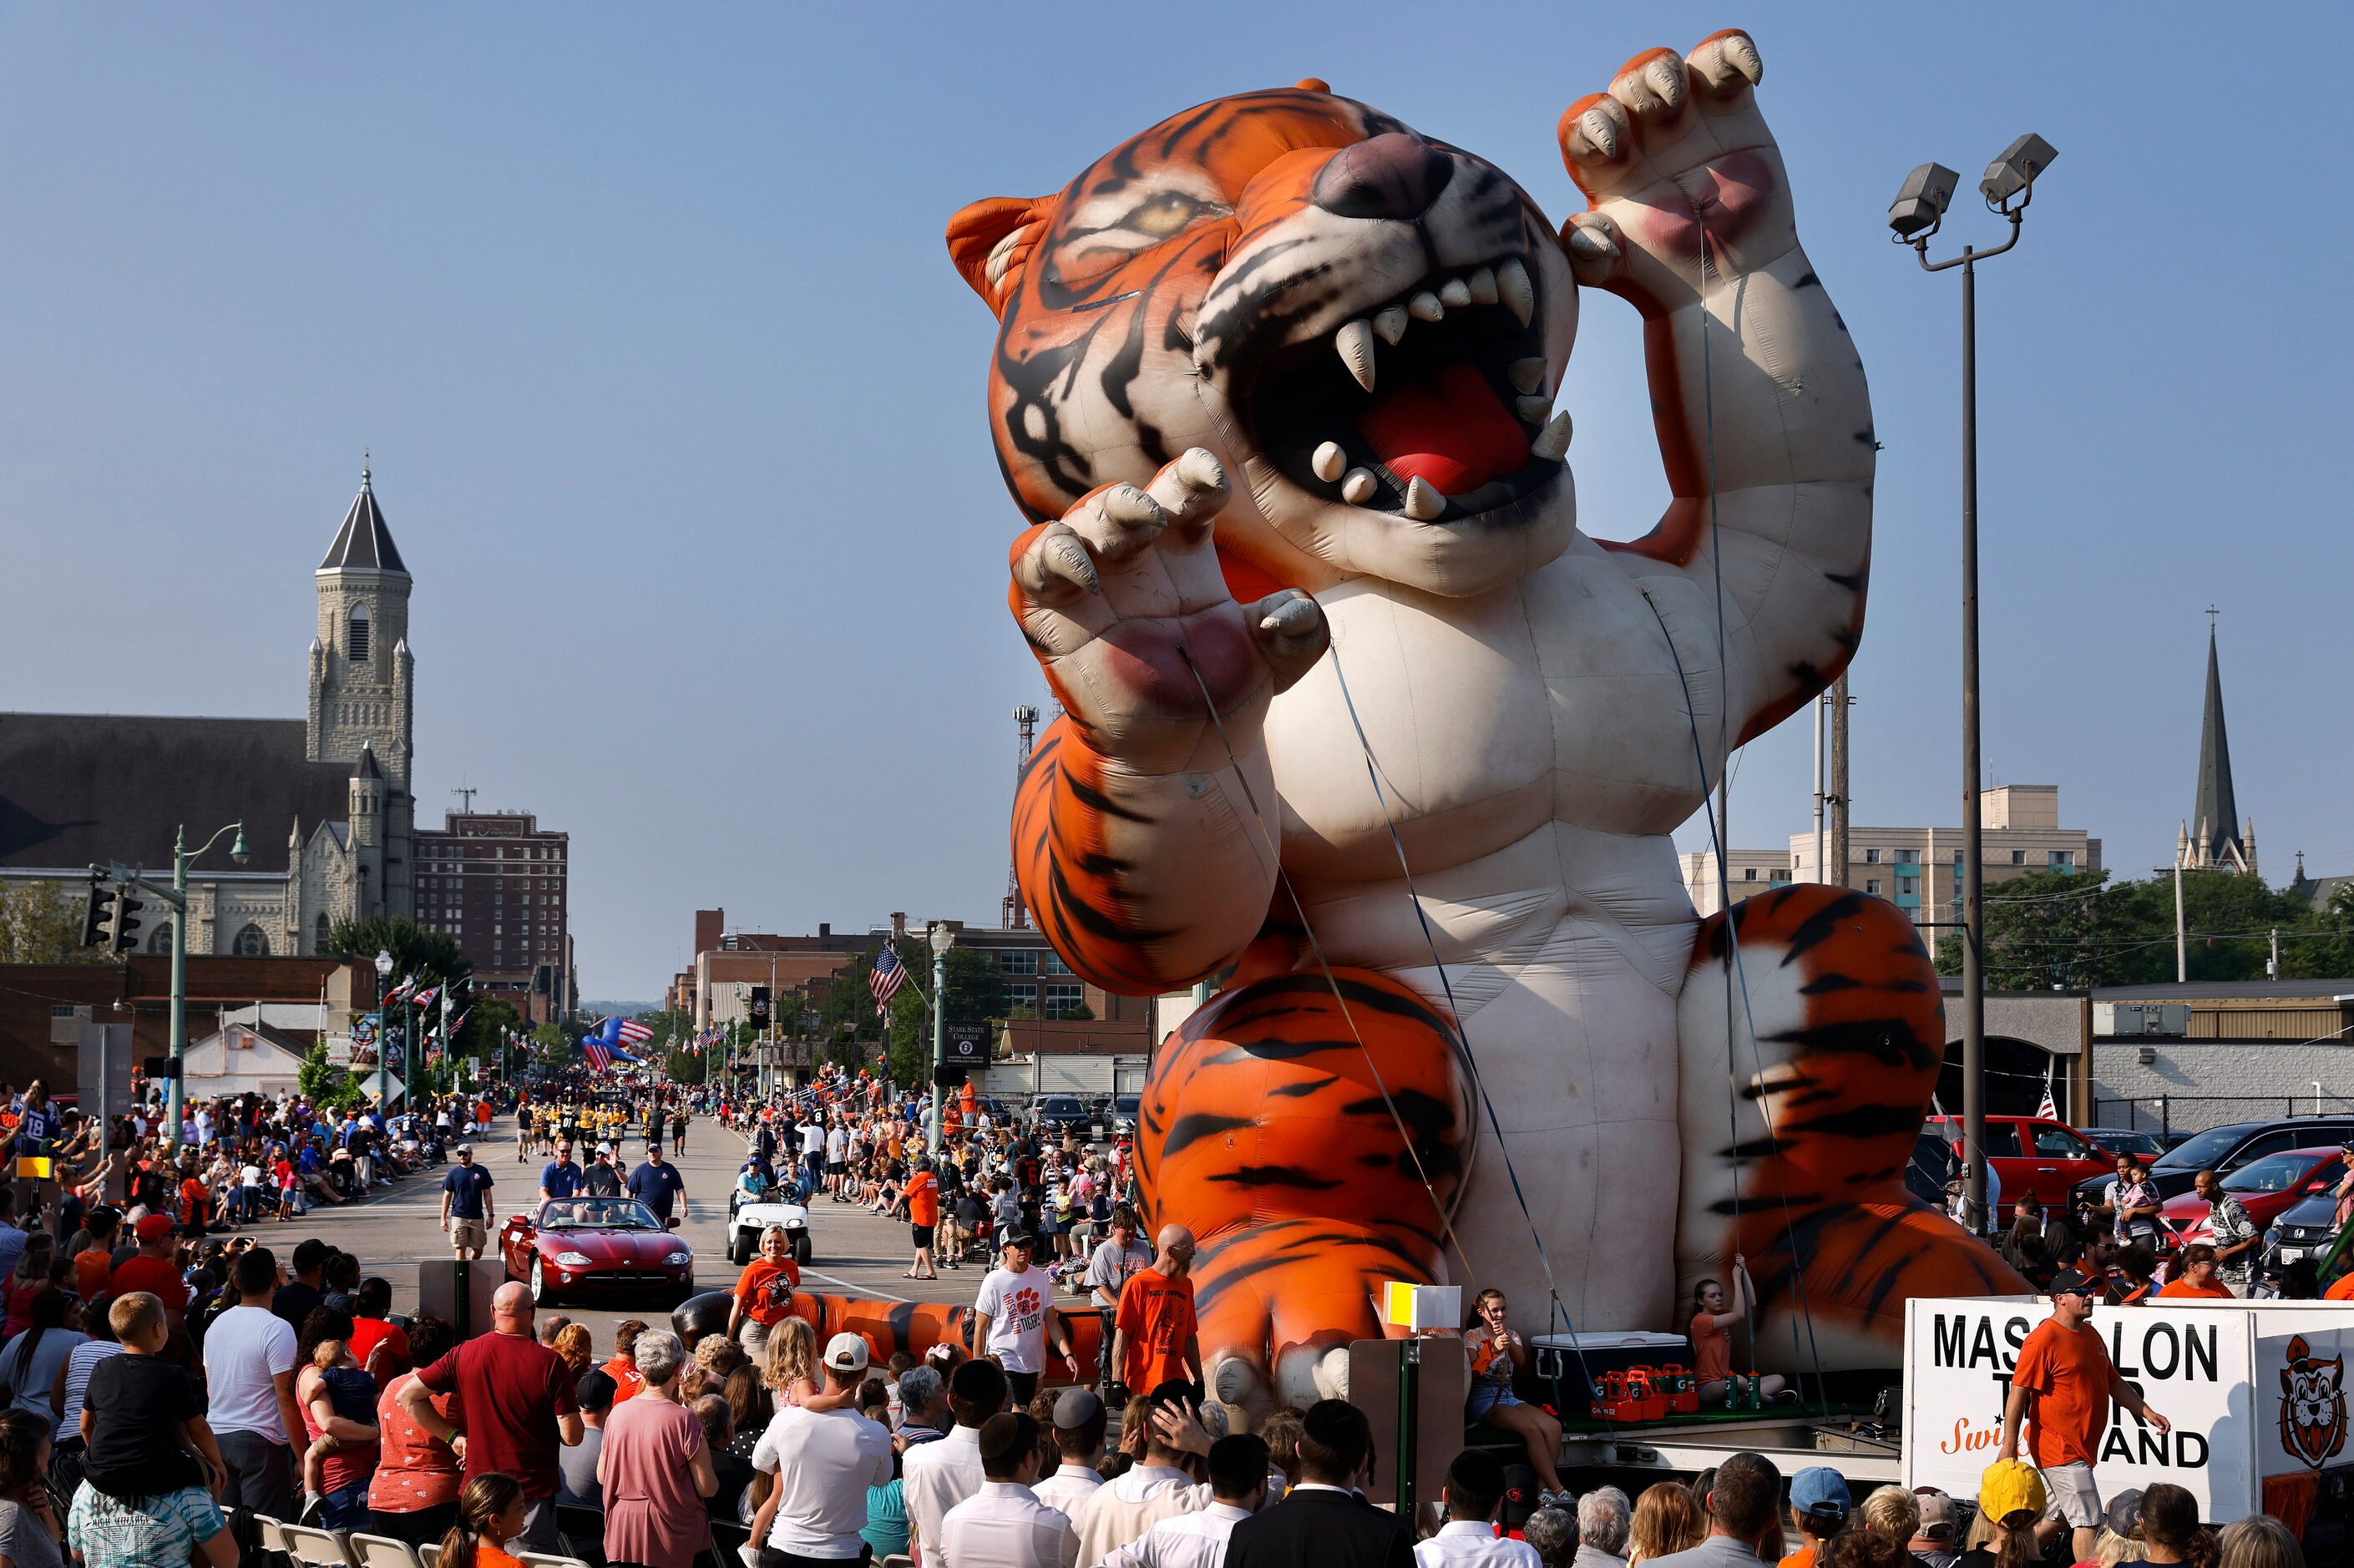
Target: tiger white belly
column 1567, row 995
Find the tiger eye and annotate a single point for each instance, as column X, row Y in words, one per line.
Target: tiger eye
column 1165, row 214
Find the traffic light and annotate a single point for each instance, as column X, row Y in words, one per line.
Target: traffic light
column 99, row 913
column 949, row 1074
column 125, row 930
column 760, row 1009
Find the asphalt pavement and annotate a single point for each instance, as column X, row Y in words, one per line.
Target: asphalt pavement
column 853, row 1252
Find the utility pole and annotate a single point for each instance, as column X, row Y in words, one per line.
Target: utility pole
column 2181, row 944
column 1839, row 799
column 1822, row 700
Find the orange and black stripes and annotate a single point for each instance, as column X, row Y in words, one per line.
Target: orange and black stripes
column 1073, row 883
column 1271, row 1128
column 1845, row 1090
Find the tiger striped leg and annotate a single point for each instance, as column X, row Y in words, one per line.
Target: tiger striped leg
column 1271, row 1129
column 1795, row 1149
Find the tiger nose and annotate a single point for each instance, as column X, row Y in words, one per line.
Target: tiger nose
column 1396, row 174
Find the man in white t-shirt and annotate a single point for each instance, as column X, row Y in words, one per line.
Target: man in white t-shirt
column 249, row 1380
column 824, row 1461
column 837, row 1158
column 1014, row 1315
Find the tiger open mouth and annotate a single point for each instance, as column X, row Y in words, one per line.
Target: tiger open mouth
column 1433, row 406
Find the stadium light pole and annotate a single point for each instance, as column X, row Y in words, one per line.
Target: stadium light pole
column 1915, row 217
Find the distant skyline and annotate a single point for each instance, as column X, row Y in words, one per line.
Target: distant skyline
column 675, row 403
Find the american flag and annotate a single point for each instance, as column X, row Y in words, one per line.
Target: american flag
column 634, row 1031
column 887, row 977
column 425, row 998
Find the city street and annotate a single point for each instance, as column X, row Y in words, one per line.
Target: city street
column 856, row 1253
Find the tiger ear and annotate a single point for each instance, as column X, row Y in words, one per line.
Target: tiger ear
column 989, row 242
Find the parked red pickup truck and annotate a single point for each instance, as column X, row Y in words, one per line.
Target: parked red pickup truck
column 2032, row 1154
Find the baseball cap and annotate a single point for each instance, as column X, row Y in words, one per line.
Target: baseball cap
column 2068, row 1282
column 1017, row 1236
column 463, row 1148
column 596, row 1389
column 846, row 1353
column 1522, row 1490
column 1075, row 1408
column 2009, row 1487
column 1821, row 1492
column 1936, row 1513
column 2125, row 1513
column 150, row 1226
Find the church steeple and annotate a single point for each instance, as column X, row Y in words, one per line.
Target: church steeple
column 2214, row 839
column 363, row 679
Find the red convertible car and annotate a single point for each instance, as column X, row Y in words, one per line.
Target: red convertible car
column 596, row 1244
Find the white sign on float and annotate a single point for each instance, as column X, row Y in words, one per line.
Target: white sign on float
column 2195, row 1365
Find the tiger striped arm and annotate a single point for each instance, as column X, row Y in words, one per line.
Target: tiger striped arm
column 1142, row 882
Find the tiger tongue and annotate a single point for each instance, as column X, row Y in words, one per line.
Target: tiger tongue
column 1453, row 432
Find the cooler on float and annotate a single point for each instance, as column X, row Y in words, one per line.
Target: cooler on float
column 1564, row 1362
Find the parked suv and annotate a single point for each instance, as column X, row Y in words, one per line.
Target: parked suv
column 2224, row 1150
column 1058, row 1114
column 2033, row 1154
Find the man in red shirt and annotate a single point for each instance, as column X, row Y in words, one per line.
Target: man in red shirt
column 923, row 1213
column 1155, row 1339
column 152, row 1269
column 2065, row 1376
column 519, row 1405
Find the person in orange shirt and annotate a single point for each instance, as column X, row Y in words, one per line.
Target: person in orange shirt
column 1711, row 1335
column 923, row 1202
column 2198, row 1279
column 490, row 1514
column 2061, row 1387
column 763, row 1293
column 1155, row 1338
column 628, row 1383
column 92, row 1266
column 2341, row 1289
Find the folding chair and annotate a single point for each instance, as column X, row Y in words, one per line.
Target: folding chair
column 271, row 1532
column 430, row 1555
column 547, row 1560
column 381, row 1552
column 581, row 1530
column 317, row 1548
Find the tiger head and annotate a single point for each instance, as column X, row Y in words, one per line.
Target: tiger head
column 2313, row 1404
column 1335, row 305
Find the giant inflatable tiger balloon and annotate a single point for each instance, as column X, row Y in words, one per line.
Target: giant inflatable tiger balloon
column 1361, row 725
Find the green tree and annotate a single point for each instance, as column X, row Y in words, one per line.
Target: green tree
column 486, row 1022
column 40, row 923
column 2046, row 930
column 324, row 1084
column 552, row 1047
column 415, row 950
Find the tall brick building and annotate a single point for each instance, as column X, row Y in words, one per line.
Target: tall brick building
column 497, row 882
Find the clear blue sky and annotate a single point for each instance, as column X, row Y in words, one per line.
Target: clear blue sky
column 676, row 411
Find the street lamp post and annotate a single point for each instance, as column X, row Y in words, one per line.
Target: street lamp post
column 175, row 1095
column 1916, row 216
column 942, row 939
column 383, row 974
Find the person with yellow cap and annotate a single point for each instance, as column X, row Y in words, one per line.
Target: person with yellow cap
column 2012, row 1497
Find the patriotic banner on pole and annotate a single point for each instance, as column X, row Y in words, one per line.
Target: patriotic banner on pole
column 885, row 977
column 425, row 998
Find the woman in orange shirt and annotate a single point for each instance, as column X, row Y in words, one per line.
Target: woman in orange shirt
column 1711, row 1334
column 2197, row 1281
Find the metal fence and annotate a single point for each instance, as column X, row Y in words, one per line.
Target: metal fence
column 2197, row 1113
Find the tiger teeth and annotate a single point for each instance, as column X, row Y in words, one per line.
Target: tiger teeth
column 1519, row 295
column 1359, row 487
column 1454, row 293
column 1329, row 460
column 1391, row 324
column 1533, row 409
column 1423, row 501
column 1553, row 442
column 1528, row 375
column 1355, row 344
column 1425, row 307
column 1483, row 286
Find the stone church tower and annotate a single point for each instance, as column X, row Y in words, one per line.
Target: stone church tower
column 362, row 700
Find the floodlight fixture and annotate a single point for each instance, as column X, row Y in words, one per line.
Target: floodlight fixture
column 1920, row 206
column 2013, row 174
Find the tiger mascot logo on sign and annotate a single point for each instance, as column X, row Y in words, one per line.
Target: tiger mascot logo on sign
column 2313, row 1404
column 1273, row 386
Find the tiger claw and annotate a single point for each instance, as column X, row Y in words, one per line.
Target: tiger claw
column 1729, row 63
